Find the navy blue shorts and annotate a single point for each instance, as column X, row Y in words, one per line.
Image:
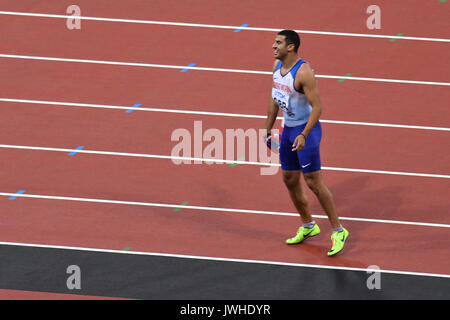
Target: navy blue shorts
column 308, row 158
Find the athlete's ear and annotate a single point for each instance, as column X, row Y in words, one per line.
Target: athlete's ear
column 291, row 47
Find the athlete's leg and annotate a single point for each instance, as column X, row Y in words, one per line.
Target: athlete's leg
column 316, row 184
column 297, row 193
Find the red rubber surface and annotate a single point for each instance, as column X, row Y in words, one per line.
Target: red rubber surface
column 327, row 15
column 212, row 233
column 226, row 92
column 31, row 295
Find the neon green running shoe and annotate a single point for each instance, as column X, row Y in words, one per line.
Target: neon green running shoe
column 338, row 241
column 304, row 233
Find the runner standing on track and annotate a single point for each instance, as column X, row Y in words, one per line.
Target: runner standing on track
column 295, row 91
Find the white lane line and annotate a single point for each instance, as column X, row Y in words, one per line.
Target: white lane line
column 208, row 258
column 208, row 113
column 220, row 161
column 214, row 26
column 166, row 66
column 387, row 125
column 204, row 208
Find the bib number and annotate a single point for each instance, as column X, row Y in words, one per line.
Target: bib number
column 282, row 102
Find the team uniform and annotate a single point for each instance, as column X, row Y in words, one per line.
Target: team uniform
column 296, row 111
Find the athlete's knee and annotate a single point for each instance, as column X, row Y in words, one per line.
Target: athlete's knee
column 291, row 179
column 313, row 181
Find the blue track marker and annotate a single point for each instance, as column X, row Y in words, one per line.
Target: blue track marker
column 181, row 206
column 74, row 152
column 137, row 105
column 186, row 69
column 241, row 27
column 18, row 192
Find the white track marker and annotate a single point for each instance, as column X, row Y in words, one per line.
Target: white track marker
column 158, row 156
column 166, row 66
column 204, row 208
column 208, row 113
column 184, row 256
column 213, row 26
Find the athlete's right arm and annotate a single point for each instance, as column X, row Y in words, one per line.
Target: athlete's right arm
column 272, row 110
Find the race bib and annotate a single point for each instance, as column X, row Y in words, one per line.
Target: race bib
column 282, row 100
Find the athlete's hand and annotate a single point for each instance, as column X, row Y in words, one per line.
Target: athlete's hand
column 273, row 142
column 299, row 143
column 267, row 139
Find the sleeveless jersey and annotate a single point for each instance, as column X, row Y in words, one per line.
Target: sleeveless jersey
column 295, row 106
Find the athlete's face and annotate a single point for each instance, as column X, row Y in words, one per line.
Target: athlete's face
column 280, row 48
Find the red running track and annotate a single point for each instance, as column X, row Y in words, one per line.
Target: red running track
column 225, row 92
column 151, row 132
column 232, row 235
column 359, row 101
column 250, row 236
column 32, row 295
column 225, row 235
column 357, row 195
column 411, row 60
column 326, row 15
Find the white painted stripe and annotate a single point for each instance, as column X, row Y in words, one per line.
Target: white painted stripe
column 208, row 113
column 166, row 66
column 214, row 26
column 388, row 125
column 412, row 174
column 220, row 161
column 132, row 64
column 207, row 258
column 204, row 208
column 384, row 80
column 102, row 106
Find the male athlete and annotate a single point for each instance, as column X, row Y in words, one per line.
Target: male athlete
column 295, row 91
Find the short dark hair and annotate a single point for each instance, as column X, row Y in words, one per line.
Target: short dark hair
column 291, row 38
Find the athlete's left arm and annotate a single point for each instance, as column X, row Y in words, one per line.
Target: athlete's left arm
column 306, row 80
